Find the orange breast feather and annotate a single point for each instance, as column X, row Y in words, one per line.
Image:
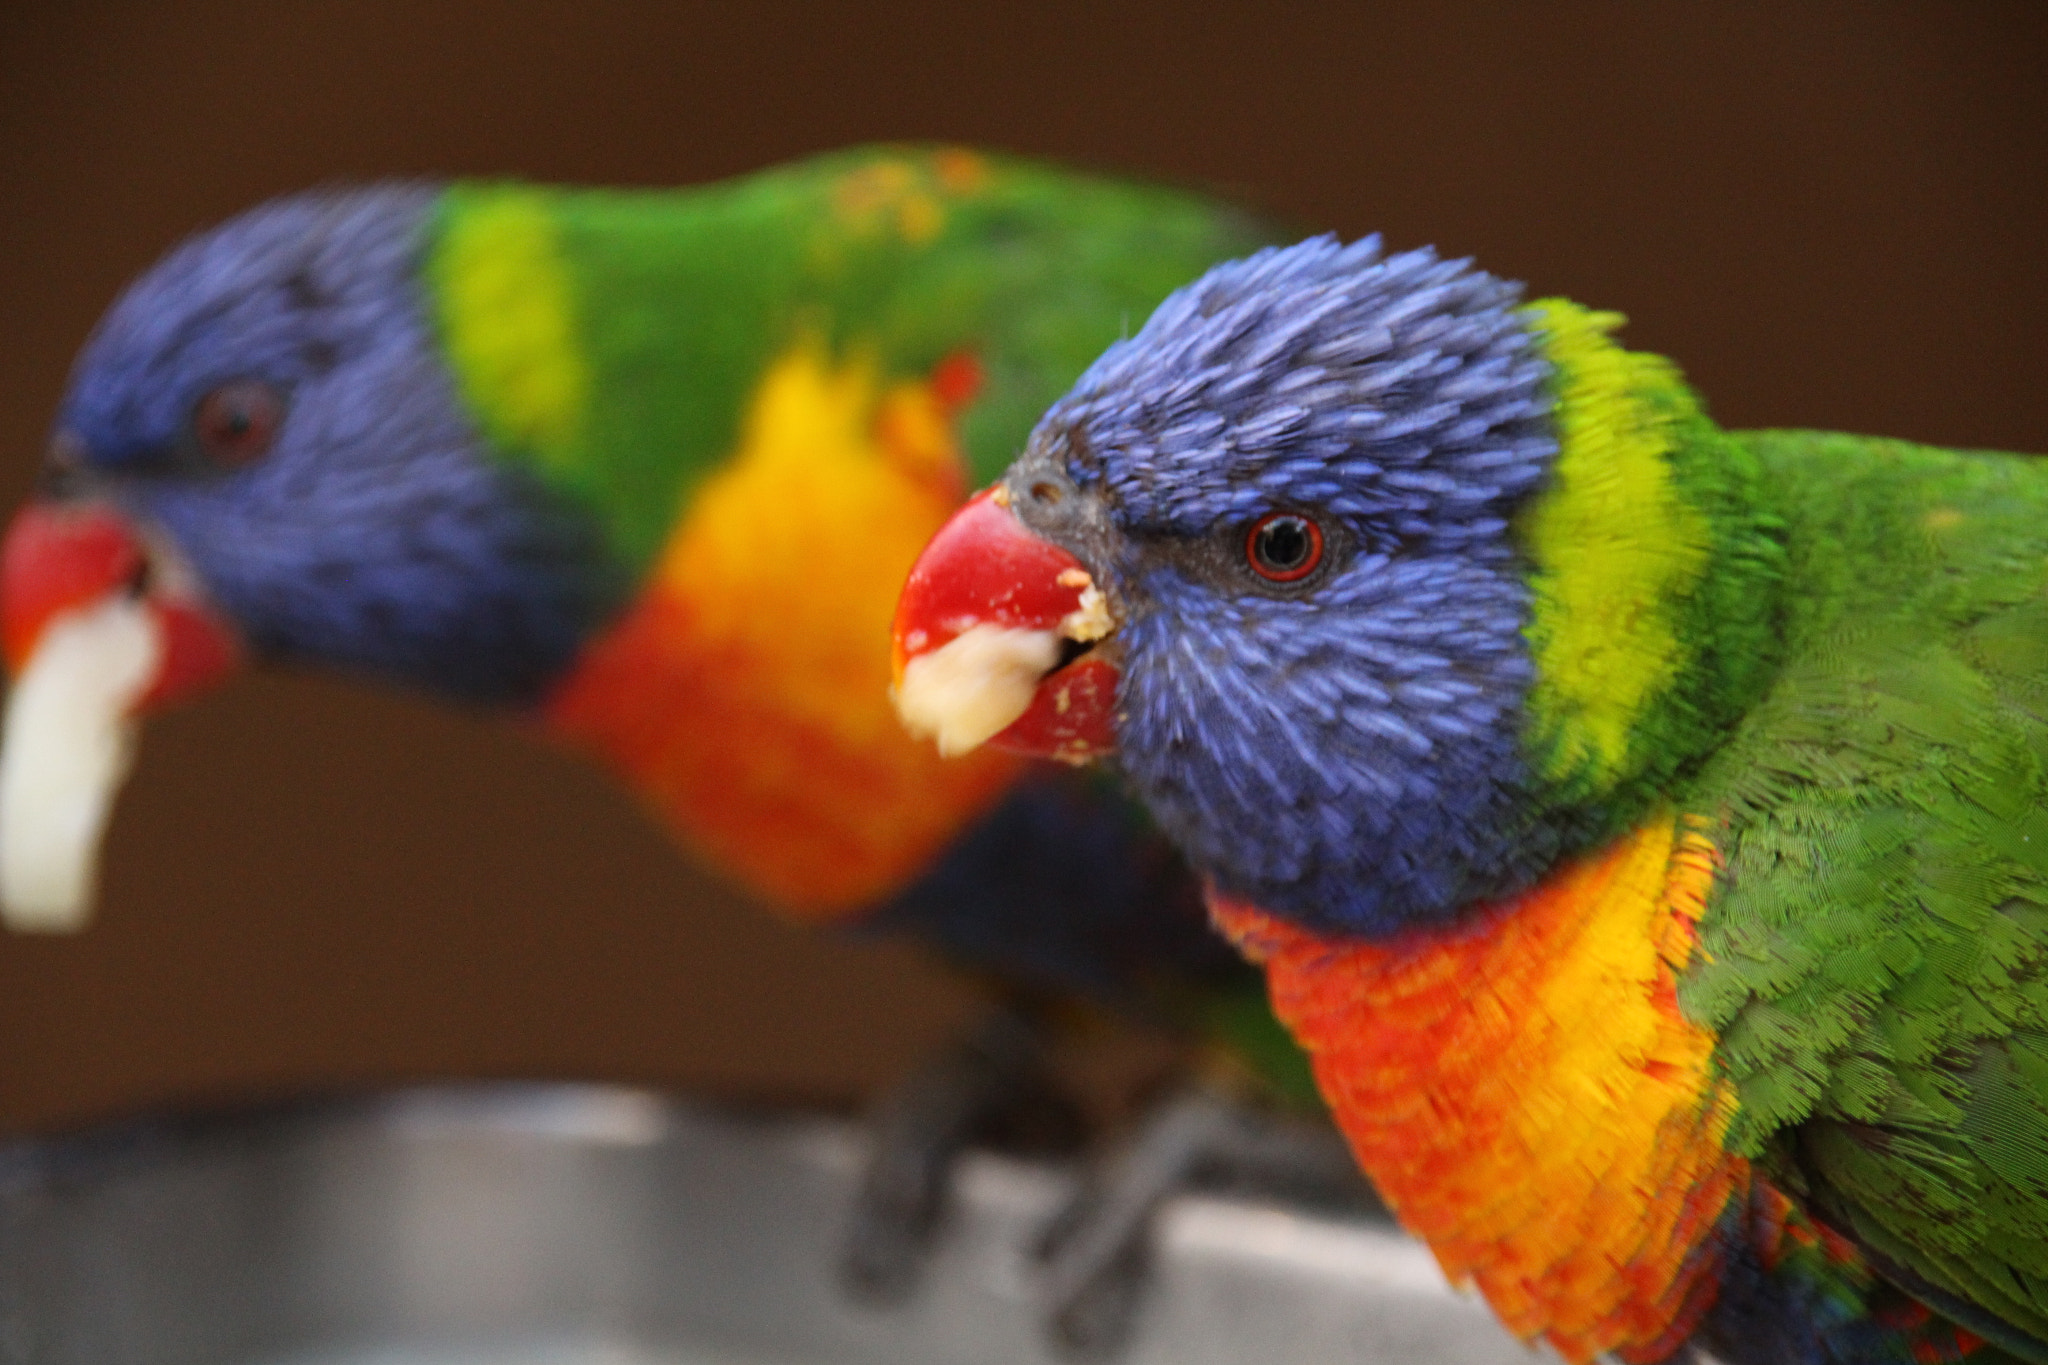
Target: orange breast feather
column 1527, row 1096
column 745, row 694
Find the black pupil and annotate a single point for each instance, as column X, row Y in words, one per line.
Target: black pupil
column 1284, row 544
column 239, row 422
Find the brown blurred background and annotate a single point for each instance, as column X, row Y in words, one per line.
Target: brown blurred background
column 1832, row 215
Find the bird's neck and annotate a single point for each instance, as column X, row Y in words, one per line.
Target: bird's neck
column 1653, row 572
column 596, row 344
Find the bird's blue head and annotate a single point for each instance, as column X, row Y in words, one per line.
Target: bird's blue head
column 1288, row 527
column 267, row 414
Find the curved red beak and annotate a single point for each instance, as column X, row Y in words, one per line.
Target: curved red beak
column 63, row 558
column 1002, row 637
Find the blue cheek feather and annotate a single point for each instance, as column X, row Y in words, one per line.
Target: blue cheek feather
column 1352, row 756
column 1359, row 770
column 379, row 537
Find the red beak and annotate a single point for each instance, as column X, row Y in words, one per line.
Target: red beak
column 988, row 614
column 64, row 557
column 98, row 628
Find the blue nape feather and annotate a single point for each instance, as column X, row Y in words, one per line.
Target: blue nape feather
column 1354, row 763
column 379, row 533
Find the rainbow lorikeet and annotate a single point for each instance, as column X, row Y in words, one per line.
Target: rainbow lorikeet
column 645, row 467
column 1635, row 820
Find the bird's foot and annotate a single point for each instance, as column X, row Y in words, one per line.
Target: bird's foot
column 1095, row 1255
column 993, row 1086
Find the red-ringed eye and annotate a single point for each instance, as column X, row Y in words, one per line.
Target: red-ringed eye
column 235, row 423
column 1284, row 547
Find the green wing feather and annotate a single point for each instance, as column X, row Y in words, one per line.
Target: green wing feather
column 610, row 339
column 1876, row 961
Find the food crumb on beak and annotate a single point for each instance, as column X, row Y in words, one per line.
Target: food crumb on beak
column 1090, row 620
column 974, row 686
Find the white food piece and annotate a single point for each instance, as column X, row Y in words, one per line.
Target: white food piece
column 68, row 740
column 1090, row 620
column 975, row 685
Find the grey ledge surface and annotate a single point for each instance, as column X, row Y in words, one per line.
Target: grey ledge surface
column 577, row 1225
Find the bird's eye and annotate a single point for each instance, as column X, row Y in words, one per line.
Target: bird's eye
column 1284, row 547
column 235, row 423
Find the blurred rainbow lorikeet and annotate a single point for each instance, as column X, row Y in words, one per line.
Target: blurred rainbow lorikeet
column 1635, row 820
column 647, row 467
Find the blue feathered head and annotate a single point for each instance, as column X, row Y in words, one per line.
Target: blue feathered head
column 1281, row 513
column 269, row 412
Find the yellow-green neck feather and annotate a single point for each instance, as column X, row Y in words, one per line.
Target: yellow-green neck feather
column 508, row 321
column 1652, row 572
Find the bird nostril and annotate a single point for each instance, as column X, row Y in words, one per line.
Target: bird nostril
column 66, row 452
column 64, row 467
column 140, row 578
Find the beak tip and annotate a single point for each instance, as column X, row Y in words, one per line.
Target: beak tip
column 979, row 633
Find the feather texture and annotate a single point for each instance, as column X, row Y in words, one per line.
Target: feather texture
column 1525, row 1081
column 1644, row 827
column 1875, row 963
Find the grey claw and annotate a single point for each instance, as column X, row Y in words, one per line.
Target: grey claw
column 1096, row 1251
column 993, row 1079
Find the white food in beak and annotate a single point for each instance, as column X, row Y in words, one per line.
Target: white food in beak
column 67, row 743
column 975, row 685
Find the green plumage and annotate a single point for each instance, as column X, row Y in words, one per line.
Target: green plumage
column 1874, row 961
column 880, row 253
column 1551, row 619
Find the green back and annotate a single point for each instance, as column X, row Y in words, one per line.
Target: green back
column 610, row 339
column 1876, row 962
